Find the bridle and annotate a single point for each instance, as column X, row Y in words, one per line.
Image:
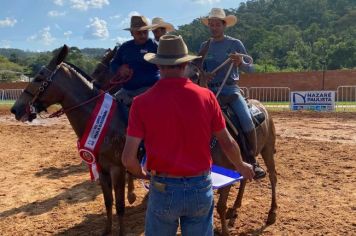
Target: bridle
column 34, row 107
column 31, row 108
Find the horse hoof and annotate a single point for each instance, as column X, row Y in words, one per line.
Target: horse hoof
column 131, row 198
column 271, row 218
column 231, row 213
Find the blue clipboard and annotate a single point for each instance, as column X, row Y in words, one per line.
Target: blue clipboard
column 220, row 176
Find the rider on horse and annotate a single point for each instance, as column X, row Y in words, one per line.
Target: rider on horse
column 214, row 52
column 128, row 63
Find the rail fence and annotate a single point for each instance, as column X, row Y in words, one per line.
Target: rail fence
column 346, row 98
column 271, row 97
column 10, row 94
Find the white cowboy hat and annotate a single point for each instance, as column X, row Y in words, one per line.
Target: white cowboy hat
column 158, row 22
column 219, row 13
column 139, row 23
column 171, row 51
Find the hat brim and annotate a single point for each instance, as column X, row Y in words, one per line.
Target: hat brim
column 155, row 59
column 169, row 27
column 147, row 27
column 230, row 20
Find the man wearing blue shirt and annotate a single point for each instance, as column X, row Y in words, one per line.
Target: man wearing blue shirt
column 128, row 61
column 219, row 48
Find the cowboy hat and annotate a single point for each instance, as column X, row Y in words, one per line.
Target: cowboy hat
column 171, row 51
column 219, row 13
column 158, row 22
column 138, row 23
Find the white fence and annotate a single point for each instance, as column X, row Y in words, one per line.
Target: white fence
column 346, row 97
column 272, row 97
column 10, row 94
column 278, row 97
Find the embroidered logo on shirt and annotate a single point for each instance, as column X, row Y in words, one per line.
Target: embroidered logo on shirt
column 144, row 51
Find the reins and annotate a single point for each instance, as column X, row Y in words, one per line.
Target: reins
column 62, row 111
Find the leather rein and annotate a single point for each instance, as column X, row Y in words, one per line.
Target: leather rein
column 49, row 74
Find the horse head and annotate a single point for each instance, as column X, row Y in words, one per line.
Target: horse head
column 35, row 97
column 102, row 74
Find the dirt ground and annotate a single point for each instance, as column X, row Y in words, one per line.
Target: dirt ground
column 45, row 190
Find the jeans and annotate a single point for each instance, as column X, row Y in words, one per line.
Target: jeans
column 184, row 201
column 239, row 106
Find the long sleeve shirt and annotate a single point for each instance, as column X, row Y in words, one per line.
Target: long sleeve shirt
column 145, row 74
column 218, row 52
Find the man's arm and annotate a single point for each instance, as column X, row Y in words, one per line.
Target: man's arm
column 246, row 67
column 129, row 157
column 232, row 151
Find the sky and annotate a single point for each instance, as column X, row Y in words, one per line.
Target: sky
column 42, row 25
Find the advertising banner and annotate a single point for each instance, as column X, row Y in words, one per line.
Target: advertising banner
column 313, row 100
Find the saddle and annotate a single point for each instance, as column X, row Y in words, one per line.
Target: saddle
column 257, row 115
column 233, row 124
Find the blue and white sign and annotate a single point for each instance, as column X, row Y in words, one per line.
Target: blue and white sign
column 313, row 100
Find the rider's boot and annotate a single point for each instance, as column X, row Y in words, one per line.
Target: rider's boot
column 252, row 147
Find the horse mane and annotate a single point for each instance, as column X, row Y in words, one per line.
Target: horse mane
column 80, row 71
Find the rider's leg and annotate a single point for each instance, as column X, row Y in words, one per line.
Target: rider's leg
column 240, row 108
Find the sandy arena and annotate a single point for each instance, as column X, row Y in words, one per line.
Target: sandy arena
column 45, row 190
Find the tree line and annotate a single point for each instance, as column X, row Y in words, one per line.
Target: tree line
column 281, row 35
column 14, row 61
column 289, row 35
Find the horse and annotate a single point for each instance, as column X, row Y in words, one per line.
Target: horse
column 59, row 83
column 266, row 142
column 102, row 76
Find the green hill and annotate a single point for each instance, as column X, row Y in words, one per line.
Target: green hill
column 290, row 35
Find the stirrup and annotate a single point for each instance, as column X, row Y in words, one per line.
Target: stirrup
column 259, row 172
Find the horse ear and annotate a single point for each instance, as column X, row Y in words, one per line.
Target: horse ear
column 59, row 57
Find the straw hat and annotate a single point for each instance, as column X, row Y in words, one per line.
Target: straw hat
column 219, row 13
column 158, row 22
column 139, row 23
column 171, row 51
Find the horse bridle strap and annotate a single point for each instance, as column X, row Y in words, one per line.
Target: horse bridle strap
column 49, row 75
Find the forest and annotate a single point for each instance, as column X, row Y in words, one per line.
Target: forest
column 281, row 35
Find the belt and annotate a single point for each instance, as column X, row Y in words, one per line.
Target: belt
column 166, row 175
column 218, row 84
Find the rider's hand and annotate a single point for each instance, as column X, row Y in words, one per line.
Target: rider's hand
column 246, row 171
column 236, row 59
column 125, row 71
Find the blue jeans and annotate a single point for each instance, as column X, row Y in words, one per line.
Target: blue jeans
column 239, row 106
column 184, row 201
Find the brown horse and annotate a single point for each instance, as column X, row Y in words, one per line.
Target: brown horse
column 102, row 76
column 266, row 139
column 59, row 83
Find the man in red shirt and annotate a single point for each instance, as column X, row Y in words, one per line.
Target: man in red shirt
column 177, row 119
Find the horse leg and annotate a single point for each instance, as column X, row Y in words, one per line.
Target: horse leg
column 131, row 196
column 221, row 208
column 232, row 212
column 268, row 157
column 105, row 182
column 118, row 175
